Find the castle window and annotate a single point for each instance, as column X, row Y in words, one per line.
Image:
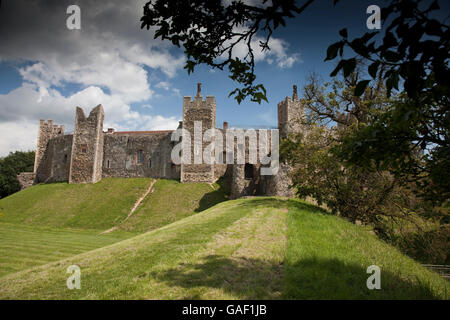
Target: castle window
column 108, row 164
column 149, row 163
column 65, row 158
column 248, row 171
column 83, row 148
column 140, row 157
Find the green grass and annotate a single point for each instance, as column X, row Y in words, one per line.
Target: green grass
column 23, row 247
column 85, row 206
column 171, row 200
column 106, row 204
column 261, row 248
column 49, row 222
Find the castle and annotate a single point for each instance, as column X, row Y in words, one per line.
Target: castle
column 90, row 153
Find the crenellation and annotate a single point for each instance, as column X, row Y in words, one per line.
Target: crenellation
column 201, row 112
column 90, row 154
column 291, row 115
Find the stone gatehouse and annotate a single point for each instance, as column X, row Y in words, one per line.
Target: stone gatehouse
column 92, row 153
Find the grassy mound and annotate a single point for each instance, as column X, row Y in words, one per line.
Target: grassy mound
column 107, row 204
column 49, row 222
column 23, row 246
column 86, row 206
column 171, row 200
column 244, row 249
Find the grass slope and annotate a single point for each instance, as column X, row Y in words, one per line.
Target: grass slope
column 244, row 249
column 86, row 206
column 107, row 204
column 49, row 222
column 23, row 247
column 171, row 200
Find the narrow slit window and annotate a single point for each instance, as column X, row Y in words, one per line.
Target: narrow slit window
column 248, row 171
column 140, row 157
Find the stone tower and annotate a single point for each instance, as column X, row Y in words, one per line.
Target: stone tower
column 47, row 131
column 291, row 115
column 87, row 147
column 195, row 112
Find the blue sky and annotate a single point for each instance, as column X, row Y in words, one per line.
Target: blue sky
column 47, row 70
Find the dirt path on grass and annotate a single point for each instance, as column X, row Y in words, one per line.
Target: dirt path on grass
column 136, row 205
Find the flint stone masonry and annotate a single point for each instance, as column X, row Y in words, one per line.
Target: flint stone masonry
column 279, row 184
column 26, row 179
column 55, row 163
column 89, row 154
column 120, row 156
column 291, row 115
column 47, row 131
column 203, row 111
column 87, row 147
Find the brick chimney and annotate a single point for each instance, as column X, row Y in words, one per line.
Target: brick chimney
column 225, row 125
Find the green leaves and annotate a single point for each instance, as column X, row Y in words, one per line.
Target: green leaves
column 373, row 68
column 392, row 82
column 348, row 67
column 190, row 66
column 332, row 50
column 361, row 87
column 207, row 31
column 12, row 165
column 343, row 33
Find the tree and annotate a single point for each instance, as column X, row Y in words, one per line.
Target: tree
column 363, row 193
column 411, row 137
column 210, row 31
column 10, row 167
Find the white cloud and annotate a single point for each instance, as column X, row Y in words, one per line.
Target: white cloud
column 278, row 52
column 163, row 85
column 22, row 107
column 10, row 132
column 168, row 87
column 108, row 59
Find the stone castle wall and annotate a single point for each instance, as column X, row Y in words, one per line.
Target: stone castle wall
column 91, row 154
column 204, row 111
column 47, row 131
column 87, row 147
column 291, row 115
column 26, row 179
column 55, row 163
column 139, row 154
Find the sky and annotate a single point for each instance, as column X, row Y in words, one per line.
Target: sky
column 47, row 70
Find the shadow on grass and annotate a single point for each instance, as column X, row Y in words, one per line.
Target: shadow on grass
column 243, row 278
column 214, row 197
column 310, row 279
column 270, row 202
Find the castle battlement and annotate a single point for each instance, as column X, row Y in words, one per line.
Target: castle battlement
column 90, row 154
